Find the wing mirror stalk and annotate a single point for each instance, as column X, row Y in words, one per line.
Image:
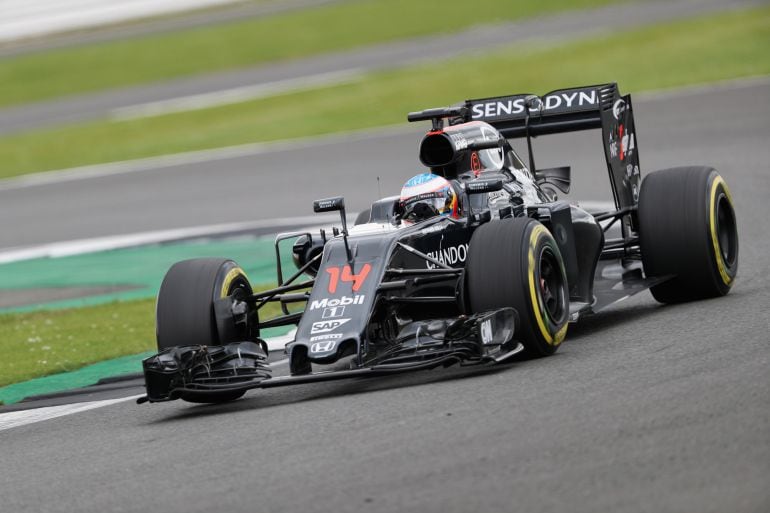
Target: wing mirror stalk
column 330, row 205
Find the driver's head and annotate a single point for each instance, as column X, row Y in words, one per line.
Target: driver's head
column 428, row 195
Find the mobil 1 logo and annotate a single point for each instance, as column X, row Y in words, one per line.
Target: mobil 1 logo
column 357, row 299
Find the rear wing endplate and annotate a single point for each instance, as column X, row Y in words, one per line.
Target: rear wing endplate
column 570, row 110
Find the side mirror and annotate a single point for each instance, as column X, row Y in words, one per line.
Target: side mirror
column 559, row 177
column 329, row 204
column 480, row 186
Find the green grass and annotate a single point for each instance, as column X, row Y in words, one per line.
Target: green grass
column 689, row 52
column 251, row 42
column 41, row 343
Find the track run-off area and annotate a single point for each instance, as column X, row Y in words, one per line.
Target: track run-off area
column 645, row 407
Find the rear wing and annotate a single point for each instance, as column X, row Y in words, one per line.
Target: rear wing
column 570, row 110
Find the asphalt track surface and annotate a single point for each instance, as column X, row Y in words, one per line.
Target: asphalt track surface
column 645, row 408
column 282, row 181
column 557, row 27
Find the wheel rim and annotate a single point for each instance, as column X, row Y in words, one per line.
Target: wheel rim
column 551, row 286
column 239, row 289
column 727, row 232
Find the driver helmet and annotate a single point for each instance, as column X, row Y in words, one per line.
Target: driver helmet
column 427, row 195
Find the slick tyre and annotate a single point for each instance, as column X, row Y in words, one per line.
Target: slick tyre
column 688, row 229
column 516, row 263
column 185, row 306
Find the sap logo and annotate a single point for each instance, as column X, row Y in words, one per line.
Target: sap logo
column 337, row 301
column 449, row 256
column 328, row 336
column 323, row 347
column 498, row 108
column 324, row 326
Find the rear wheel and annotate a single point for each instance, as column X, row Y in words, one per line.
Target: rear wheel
column 688, row 229
column 185, row 308
column 516, row 263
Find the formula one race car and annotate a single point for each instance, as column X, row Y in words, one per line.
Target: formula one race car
column 474, row 262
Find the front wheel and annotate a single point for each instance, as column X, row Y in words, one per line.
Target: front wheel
column 688, row 229
column 516, row 263
column 185, row 306
column 185, row 310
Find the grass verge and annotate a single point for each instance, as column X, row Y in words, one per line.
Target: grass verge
column 232, row 45
column 687, row 52
column 41, row 343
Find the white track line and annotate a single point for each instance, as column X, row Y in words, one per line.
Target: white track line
column 21, row 418
column 235, row 95
column 195, row 157
column 28, row 18
column 82, row 246
column 248, row 150
column 24, row 417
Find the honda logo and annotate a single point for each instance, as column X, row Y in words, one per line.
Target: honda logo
column 323, row 347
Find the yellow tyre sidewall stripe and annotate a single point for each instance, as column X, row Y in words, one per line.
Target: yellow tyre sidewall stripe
column 721, row 266
column 231, row 275
column 537, row 307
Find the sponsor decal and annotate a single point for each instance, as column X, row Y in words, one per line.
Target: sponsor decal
column 337, row 301
column 330, row 203
column 459, row 140
column 486, row 332
column 627, row 144
column 494, row 196
column 432, row 229
column 449, row 256
column 419, row 180
column 326, row 326
column 613, row 145
column 517, row 105
column 475, row 163
column 329, row 336
column 333, row 312
column 345, row 274
column 619, row 108
column 622, row 145
column 323, row 347
column 632, row 171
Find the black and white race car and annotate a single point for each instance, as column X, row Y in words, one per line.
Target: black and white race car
column 474, row 262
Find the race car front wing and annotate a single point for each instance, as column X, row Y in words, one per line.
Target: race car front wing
column 199, row 373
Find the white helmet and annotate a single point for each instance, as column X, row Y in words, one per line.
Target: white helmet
column 427, row 195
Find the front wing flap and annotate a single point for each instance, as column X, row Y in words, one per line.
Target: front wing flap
column 195, row 372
